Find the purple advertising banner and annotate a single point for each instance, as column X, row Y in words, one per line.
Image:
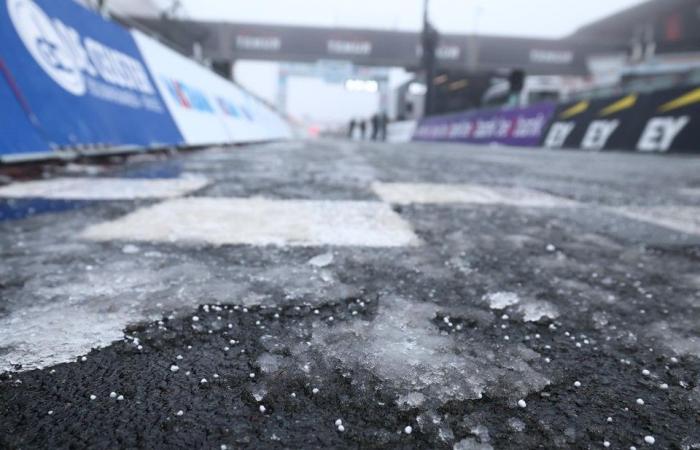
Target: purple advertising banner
column 517, row 126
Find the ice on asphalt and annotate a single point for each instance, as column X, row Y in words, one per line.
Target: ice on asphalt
column 102, row 297
column 530, row 310
column 405, row 349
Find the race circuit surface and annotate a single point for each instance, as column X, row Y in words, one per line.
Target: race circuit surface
column 346, row 295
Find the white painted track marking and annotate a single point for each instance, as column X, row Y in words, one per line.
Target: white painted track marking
column 104, row 188
column 430, row 193
column 685, row 219
column 220, row 221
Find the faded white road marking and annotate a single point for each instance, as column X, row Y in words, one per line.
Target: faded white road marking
column 104, row 188
column 685, row 219
column 221, row 221
column 690, row 192
column 406, row 193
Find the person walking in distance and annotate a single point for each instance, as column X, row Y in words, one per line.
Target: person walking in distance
column 363, row 129
column 383, row 126
column 376, row 126
column 351, row 128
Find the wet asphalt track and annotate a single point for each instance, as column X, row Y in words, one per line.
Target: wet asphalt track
column 553, row 303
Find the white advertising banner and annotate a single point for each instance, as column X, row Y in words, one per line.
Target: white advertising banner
column 207, row 108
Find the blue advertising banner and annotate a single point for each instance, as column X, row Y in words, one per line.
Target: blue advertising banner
column 17, row 134
column 83, row 77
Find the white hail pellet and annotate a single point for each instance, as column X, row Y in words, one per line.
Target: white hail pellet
column 262, row 408
column 216, row 375
column 646, row 373
column 178, row 357
column 315, row 390
column 522, row 403
column 606, row 444
column 293, row 395
column 174, row 368
column 341, row 428
column 640, row 401
column 51, row 413
column 83, row 359
column 120, row 398
column 408, row 429
column 338, row 422
column 663, row 386
column 195, row 319
column 204, row 380
column 112, row 395
column 252, row 375
column 179, row 413
column 93, row 397
column 577, row 383
column 649, row 440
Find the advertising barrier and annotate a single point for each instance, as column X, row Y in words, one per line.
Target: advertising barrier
column 69, row 80
column 82, row 77
column 17, row 133
column 207, row 108
column 516, row 127
column 662, row 121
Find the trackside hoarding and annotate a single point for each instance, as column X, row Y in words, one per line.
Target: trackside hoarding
column 80, row 78
column 662, row 121
column 207, row 108
column 517, row 127
column 17, row 133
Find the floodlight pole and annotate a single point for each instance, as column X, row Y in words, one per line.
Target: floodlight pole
column 429, row 41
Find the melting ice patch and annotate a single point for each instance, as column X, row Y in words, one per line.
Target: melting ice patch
column 405, row 349
column 679, row 335
column 535, row 310
column 101, row 301
column 530, row 310
column 502, row 300
column 51, row 334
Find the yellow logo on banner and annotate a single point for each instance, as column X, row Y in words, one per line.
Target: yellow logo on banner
column 684, row 100
column 620, row 105
column 578, row 108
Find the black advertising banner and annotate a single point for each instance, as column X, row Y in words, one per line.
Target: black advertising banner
column 663, row 121
column 569, row 128
column 672, row 122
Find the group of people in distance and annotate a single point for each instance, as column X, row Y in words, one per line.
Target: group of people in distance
column 378, row 124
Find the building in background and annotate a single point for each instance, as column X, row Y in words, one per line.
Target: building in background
column 659, row 47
